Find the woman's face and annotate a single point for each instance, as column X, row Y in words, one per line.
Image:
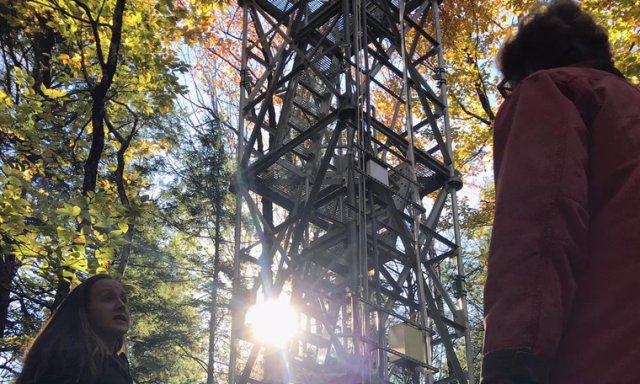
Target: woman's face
column 108, row 313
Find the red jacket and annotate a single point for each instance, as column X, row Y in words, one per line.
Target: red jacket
column 562, row 298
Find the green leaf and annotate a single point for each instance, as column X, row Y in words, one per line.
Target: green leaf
column 104, row 254
column 124, row 227
column 62, row 232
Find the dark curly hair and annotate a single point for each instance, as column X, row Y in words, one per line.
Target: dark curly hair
column 558, row 35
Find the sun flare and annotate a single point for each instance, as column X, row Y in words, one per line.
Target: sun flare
column 273, row 322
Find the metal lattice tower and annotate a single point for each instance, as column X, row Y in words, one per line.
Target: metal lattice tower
column 351, row 198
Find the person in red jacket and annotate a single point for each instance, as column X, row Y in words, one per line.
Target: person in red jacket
column 562, row 297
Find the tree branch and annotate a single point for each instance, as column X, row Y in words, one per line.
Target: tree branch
column 468, row 112
column 94, row 29
column 202, row 363
column 99, row 97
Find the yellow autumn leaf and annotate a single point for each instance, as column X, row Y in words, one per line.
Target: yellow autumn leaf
column 64, row 58
column 5, row 99
column 52, row 93
column 134, row 19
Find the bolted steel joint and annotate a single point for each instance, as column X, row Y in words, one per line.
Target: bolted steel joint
column 455, row 182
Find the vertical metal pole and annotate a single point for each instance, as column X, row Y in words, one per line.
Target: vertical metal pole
column 362, row 267
column 235, row 313
column 414, row 191
column 354, row 245
column 452, row 190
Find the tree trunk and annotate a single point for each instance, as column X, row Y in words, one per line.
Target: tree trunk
column 44, row 41
column 122, row 194
column 213, row 325
column 63, row 289
column 97, row 142
column 8, row 270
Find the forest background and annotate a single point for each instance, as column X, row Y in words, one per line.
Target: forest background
column 117, row 137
